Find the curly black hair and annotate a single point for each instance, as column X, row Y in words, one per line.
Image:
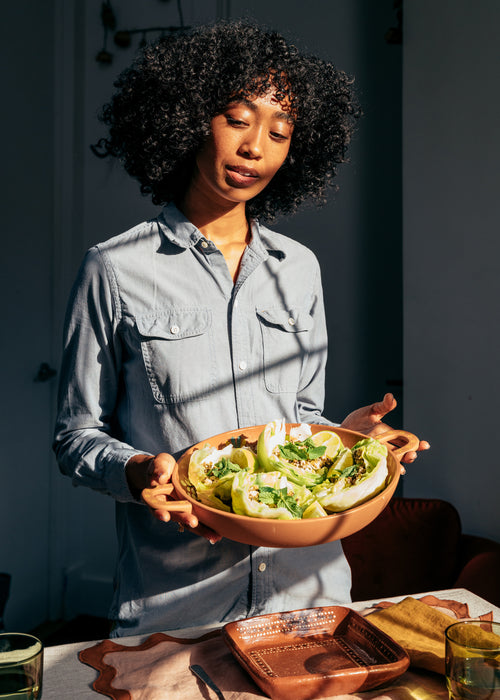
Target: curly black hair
column 160, row 114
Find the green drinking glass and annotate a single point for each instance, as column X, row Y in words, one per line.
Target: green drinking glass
column 473, row 660
column 21, row 666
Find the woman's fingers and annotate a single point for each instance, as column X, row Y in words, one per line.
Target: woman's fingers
column 160, row 468
column 411, row 456
column 381, row 408
column 188, row 521
column 159, row 472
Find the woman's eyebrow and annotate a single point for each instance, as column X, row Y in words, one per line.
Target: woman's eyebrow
column 286, row 116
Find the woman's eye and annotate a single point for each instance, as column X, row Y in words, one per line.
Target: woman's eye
column 279, row 136
column 235, row 122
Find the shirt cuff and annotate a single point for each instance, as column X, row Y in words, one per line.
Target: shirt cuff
column 115, row 463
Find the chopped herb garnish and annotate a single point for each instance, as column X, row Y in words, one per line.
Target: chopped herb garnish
column 305, row 449
column 267, row 495
column 222, row 468
column 349, row 471
column 280, row 499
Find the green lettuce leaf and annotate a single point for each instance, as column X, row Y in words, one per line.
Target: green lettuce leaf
column 357, row 483
column 264, row 495
column 278, row 453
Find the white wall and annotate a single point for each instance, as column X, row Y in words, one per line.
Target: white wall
column 25, row 292
column 451, row 146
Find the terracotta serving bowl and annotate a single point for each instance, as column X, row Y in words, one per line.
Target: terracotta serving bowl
column 265, row 532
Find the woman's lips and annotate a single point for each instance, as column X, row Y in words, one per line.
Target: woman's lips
column 240, row 176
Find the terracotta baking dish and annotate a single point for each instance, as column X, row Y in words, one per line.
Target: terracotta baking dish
column 314, row 653
column 265, row 532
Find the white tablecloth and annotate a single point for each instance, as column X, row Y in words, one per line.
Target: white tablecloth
column 67, row 678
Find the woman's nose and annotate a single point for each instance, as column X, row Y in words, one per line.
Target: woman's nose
column 251, row 146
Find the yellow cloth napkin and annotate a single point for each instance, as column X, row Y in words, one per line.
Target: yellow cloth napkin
column 419, row 629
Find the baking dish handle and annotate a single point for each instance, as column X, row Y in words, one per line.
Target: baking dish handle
column 395, row 437
column 157, row 499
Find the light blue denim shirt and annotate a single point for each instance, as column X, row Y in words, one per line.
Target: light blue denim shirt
column 161, row 351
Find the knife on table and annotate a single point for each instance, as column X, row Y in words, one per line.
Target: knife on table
column 203, row 675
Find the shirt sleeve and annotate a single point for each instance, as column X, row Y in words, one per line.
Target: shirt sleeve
column 85, row 444
column 311, row 394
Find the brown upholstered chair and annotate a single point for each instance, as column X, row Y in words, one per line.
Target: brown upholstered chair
column 417, row 545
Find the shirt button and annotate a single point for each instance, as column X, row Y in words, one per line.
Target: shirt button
column 242, row 365
column 174, row 330
column 204, row 244
column 291, row 321
column 262, row 566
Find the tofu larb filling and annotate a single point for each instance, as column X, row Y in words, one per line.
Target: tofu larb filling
column 308, row 465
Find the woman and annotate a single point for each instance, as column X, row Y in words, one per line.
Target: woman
column 203, row 320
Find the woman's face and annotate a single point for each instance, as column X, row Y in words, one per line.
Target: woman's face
column 249, row 143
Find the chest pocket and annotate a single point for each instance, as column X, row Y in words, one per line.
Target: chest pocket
column 178, row 352
column 285, row 344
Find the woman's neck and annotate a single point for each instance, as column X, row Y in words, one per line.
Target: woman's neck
column 226, row 227
column 218, row 221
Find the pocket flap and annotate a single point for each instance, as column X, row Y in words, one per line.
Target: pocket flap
column 290, row 320
column 175, row 324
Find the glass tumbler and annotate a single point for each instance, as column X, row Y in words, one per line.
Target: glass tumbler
column 473, row 660
column 21, row 666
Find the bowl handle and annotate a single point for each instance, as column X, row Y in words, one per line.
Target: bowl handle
column 156, row 498
column 395, row 437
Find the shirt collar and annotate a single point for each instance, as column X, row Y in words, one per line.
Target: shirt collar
column 181, row 232
column 178, row 229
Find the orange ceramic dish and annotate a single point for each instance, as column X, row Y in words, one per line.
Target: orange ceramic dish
column 265, row 532
column 314, row 653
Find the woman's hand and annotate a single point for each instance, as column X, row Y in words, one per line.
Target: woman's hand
column 145, row 472
column 368, row 420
